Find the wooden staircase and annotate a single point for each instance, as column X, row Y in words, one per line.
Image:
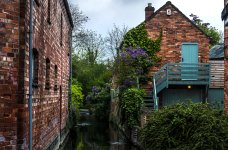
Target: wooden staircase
column 177, row 74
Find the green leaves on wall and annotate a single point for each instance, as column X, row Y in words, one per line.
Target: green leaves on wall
column 138, row 38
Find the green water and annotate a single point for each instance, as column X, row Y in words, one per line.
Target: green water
column 94, row 135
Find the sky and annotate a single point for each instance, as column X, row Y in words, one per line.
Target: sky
column 103, row 14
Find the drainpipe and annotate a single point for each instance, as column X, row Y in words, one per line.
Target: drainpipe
column 70, row 82
column 30, row 71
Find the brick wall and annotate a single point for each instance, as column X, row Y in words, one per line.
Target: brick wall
column 226, row 65
column 50, row 106
column 176, row 29
column 9, row 56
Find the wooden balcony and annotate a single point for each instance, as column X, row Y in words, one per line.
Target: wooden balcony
column 180, row 74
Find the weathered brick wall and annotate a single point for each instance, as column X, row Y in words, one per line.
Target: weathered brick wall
column 226, row 65
column 50, row 107
column 9, row 61
column 176, row 29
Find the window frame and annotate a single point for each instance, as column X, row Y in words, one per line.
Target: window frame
column 56, row 77
column 37, row 2
column 61, row 30
column 35, row 68
column 49, row 11
column 47, row 74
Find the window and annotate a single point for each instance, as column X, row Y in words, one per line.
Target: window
column 48, row 66
column 37, row 2
column 61, row 30
column 49, row 12
column 56, row 76
column 35, row 68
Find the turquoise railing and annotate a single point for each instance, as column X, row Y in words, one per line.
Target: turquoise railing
column 180, row 74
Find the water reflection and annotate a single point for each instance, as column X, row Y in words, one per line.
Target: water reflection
column 94, row 135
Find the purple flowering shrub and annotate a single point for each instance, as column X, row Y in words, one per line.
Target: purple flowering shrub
column 137, row 58
column 133, row 63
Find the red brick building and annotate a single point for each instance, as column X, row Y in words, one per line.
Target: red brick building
column 177, row 29
column 224, row 17
column 184, row 54
column 52, row 27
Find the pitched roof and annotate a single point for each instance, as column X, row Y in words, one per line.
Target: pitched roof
column 169, row 3
column 68, row 12
column 217, row 52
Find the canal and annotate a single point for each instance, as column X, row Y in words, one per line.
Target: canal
column 95, row 135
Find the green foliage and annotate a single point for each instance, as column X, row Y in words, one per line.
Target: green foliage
column 77, row 96
column 186, row 126
column 134, row 63
column 131, row 103
column 100, row 102
column 88, row 74
column 137, row 55
column 210, row 31
column 138, row 38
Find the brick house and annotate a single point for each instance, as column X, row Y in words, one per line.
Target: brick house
column 183, row 73
column 224, row 17
column 52, row 27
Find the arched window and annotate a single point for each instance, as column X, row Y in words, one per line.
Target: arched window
column 35, row 68
column 47, row 75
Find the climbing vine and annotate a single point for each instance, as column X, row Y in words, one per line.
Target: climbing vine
column 138, row 38
column 132, row 102
column 138, row 53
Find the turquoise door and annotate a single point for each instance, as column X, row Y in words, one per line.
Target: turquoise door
column 189, row 53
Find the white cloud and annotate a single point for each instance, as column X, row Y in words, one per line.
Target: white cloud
column 104, row 13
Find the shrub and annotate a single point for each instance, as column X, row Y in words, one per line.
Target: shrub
column 99, row 100
column 77, row 96
column 186, row 126
column 131, row 103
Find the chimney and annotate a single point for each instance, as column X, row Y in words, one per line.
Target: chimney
column 149, row 10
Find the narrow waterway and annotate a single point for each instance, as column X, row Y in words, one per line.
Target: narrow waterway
column 95, row 135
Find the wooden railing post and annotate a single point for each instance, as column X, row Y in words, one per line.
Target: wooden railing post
column 155, row 96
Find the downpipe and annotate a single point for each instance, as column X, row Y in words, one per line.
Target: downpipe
column 30, row 71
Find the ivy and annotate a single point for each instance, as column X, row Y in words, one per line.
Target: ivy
column 138, row 38
column 132, row 102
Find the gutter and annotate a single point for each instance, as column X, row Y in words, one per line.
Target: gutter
column 30, row 71
column 68, row 12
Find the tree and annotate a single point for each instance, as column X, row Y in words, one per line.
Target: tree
column 79, row 19
column 77, row 96
column 114, row 39
column 89, row 75
column 90, row 47
column 212, row 32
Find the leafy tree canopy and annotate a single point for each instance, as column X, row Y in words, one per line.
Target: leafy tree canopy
column 77, row 96
column 212, row 32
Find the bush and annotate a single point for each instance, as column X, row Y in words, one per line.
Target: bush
column 131, row 103
column 186, row 126
column 99, row 100
column 77, row 96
